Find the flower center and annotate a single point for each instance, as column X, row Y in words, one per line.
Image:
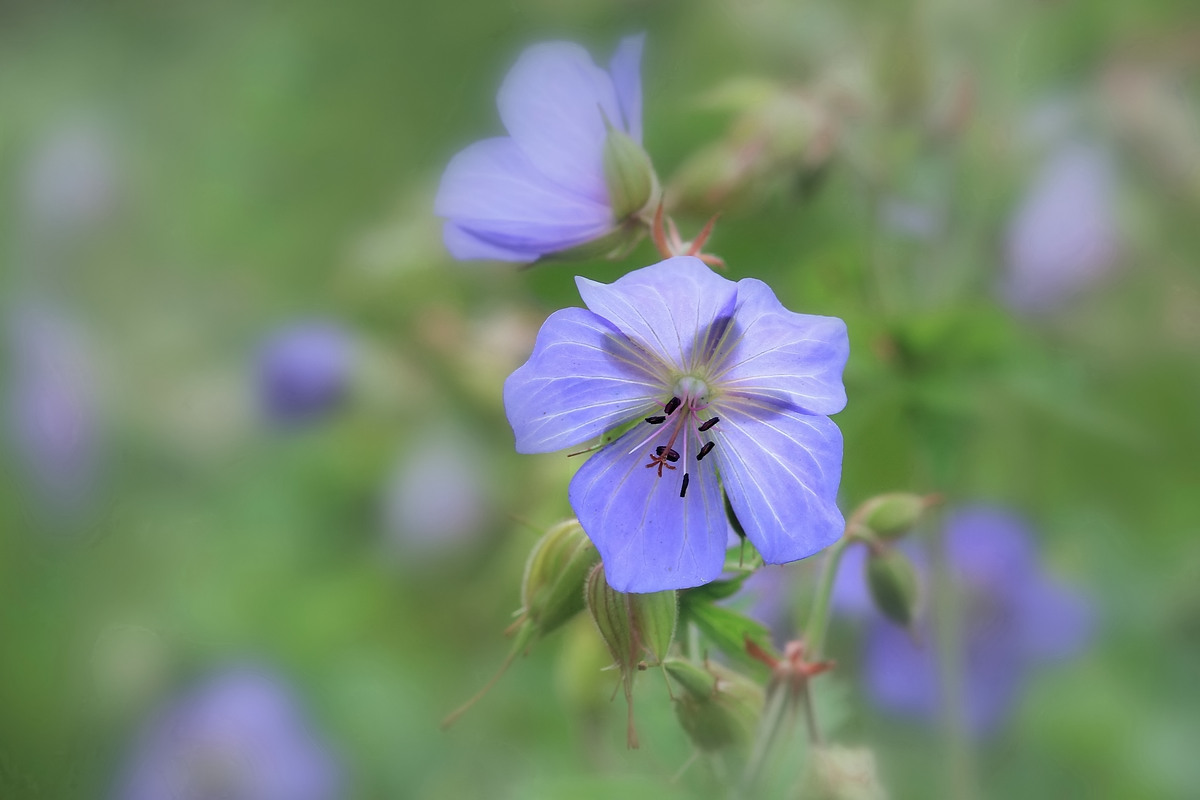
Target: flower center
column 687, row 428
column 692, row 391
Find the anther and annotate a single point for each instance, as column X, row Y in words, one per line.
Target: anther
column 705, row 450
column 671, row 456
column 683, row 488
column 709, row 424
column 656, row 420
column 672, row 404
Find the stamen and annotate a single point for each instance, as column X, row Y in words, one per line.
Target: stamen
column 671, row 456
column 705, row 450
column 709, row 424
column 683, row 488
column 656, row 420
column 672, row 404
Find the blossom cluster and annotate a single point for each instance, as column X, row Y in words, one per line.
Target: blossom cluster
column 704, row 391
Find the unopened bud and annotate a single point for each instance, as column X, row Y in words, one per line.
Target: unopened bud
column 628, row 174
column 632, row 627
column 551, row 594
column 844, row 773
column 890, row 516
column 552, row 589
column 894, row 586
column 717, row 707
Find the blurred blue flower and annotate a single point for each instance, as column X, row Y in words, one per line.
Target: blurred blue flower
column 1013, row 616
column 438, row 500
column 542, row 189
column 1064, row 234
column 713, row 377
column 52, row 407
column 239, row 735
column 304, row 370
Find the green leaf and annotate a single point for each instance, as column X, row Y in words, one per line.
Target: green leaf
column 726, row 629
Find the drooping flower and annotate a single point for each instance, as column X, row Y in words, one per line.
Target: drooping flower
column 570, row 173
column 724, row 389
column 239, row 735
column 1064, row 234
column 1012, row 617
column 304, row 370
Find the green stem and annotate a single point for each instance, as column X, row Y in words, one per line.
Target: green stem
column 772, row 724
column 818, row 620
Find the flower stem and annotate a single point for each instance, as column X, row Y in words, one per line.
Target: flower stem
column 769, row 731
column 818, row 619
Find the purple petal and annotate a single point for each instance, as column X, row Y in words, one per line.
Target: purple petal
column 242, row 735
column 649, row 537
column 553, row 102
column 781, row 471
column 1065, row 233
column 992, row 550
column 1055, row 621
column 626, row 70
column 493, row 193
column 904, row 676
column 464, row 245
column 850, row 595
column 671, row 308
column 773, row 352
column 901, row 676
column 582, row 379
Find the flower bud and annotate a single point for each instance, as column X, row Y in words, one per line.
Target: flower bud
column 844, row 773
column 551, row 594
column 628, row 174
column 894, row 585
column 552, row 589
column 890, row 516
column 717, row 707
column 631, row 625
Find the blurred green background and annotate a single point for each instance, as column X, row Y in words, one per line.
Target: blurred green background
column 180, row 179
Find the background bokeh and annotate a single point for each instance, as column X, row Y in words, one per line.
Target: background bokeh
column 999, row 198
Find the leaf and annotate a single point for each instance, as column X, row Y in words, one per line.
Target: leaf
column 727, row 629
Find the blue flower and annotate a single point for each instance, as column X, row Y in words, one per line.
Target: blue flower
column 723, row 388
column 304, row 370
column 241, row 734
column 1012, row 617
column 543, row 189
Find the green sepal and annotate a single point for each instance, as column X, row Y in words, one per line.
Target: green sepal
column 628, row 174
column 716, row 707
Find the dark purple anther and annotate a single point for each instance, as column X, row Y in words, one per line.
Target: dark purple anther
column 709, row 424
column 672, row 456
column 656, row 420
column 683, row 488
column 672, row 404
column 705, row 450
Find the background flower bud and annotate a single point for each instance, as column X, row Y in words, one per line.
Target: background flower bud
column 717, row 707
column 552, row 589
column 894, row 586
column 890, row 516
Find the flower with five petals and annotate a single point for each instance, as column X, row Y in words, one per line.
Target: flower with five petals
column 720, row 388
